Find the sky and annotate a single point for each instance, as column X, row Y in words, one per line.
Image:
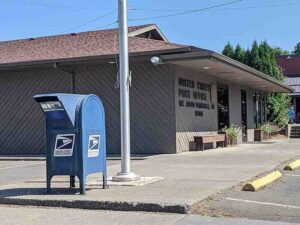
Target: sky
column 276, row 21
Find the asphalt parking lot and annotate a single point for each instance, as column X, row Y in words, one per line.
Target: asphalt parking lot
column 279, row 201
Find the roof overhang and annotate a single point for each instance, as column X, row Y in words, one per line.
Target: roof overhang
column 134, row 56
column 225, row 68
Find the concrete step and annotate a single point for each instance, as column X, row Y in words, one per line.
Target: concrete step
column 294, row 136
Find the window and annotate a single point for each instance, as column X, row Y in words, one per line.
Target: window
column 255, row 110
column 259, row 109
column 223, row 107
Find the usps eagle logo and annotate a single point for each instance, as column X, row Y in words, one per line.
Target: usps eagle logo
column 64, row 145
column 94, row 145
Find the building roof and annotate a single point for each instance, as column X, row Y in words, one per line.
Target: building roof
column 290, row 64
column 145, row 40
column 79, row 45
column 294, row 82
column 296, row 91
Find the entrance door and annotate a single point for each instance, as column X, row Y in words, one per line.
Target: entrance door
column 244, row 114
column 223, row 107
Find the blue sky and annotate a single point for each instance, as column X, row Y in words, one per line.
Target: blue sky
column 211, row 29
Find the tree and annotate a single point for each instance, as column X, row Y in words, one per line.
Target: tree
column 228, row 50
column 255, row 58
column 278, row 107
column 278, row 51
column 262, row 58
column 239, row 53
column 297, row 49
column 247, row 58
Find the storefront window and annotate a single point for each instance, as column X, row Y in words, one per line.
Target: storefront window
column 223, row 107
column 259, row 109
column 244, row 114
column 263, row 109
column 255, row 110
column 259, row 117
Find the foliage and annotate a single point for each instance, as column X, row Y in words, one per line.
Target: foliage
column 266, row 128
column 270, row 128
column 233, row 131
column 297, row 49
column 228, row 50
column 278, row 105
column 239, row 53
column 262, row 58
column 278, row 51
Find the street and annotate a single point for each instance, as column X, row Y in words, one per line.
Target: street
column 11, row 215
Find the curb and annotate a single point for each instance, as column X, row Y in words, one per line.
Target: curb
column 99, row 205
column 293, row 165
column 263, row 181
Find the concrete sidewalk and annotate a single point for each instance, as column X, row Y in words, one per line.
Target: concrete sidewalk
column 188, row 178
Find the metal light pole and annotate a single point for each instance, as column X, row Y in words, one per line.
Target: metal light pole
column 125, row 174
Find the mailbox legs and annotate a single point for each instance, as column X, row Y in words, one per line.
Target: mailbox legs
column 105, row 185
column 72, row 181
column 82, row 185
column 48, row 184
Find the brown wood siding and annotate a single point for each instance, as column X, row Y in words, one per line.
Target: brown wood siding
column 152, row 105
column 22, row 124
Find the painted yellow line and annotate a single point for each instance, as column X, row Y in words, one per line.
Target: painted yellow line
column 262, row 182
column 292, row 166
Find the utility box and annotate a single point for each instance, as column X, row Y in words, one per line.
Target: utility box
column 76, row 139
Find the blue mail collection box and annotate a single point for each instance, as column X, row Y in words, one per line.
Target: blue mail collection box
column 76, row 141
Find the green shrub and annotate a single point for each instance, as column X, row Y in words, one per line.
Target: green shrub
column 270, row 128
column 233, row 131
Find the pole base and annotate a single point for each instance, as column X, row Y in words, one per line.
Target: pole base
column 125, row 177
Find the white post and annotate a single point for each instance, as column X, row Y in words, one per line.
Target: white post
column 125, row 175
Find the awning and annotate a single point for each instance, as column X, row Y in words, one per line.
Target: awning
column 223, row 67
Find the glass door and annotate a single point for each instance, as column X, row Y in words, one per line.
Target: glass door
column 259, row 116
column 244, row 114
column 223, row 107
